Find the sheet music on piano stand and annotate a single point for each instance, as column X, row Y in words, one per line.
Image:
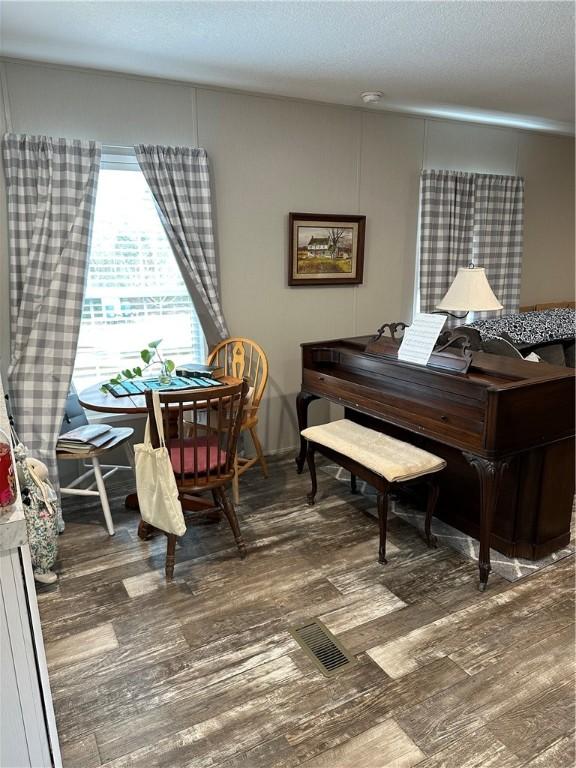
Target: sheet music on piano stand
column 420, row 338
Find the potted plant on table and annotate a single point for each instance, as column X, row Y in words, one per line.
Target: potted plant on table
column 150, row 356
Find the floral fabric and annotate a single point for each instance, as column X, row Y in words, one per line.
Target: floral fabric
column 42, row 511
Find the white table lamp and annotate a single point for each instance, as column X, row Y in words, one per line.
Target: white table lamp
column 470, row 292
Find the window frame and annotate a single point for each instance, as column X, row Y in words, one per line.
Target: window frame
column 118, row 158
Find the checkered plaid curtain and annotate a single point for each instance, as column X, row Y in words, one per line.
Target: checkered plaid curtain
column 470, row 217
column 179, row 179
column 51, row 190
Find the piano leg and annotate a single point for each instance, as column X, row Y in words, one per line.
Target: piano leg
column 303, row 400
column 489, row 476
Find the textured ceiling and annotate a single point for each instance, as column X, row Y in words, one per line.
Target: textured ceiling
column 503, row 62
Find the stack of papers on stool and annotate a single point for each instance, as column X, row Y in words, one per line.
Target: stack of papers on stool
column 85, row 439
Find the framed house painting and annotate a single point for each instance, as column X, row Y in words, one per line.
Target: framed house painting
column 325, row 249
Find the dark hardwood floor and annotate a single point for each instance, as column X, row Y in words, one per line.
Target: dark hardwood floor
column 204, row 673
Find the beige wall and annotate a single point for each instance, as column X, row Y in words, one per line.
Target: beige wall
column 271, row 156
column 547, row 163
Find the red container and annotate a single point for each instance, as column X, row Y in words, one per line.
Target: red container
column 7, row 480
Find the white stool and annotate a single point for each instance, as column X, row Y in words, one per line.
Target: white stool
column 118, row 436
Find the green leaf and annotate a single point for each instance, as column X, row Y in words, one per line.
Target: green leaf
column 155, row 344
column 128, row 373
column 116, row 380
column 169, row 365
column 137, row 370
column 146, row 355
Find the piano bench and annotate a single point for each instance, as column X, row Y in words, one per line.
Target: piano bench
column 377, row 459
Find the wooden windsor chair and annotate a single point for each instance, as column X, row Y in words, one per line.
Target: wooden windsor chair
column 202, row 455
column 245, row 359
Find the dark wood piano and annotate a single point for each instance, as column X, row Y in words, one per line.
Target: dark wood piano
column 506, row 429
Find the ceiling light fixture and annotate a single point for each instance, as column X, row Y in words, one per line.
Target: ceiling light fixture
column 371, row 97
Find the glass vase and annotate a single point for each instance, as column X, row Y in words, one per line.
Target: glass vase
column 164, row 375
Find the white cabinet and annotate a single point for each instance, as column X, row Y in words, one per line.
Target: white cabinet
column 28, row 736
column 13, row 747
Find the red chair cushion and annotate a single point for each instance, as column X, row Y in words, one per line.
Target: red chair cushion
column 204, row 466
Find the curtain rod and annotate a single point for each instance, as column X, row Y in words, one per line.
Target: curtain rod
column 117, row 146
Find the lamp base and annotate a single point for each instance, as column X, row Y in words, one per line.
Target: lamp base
column 445, row 312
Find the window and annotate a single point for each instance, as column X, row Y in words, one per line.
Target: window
column 135, row 292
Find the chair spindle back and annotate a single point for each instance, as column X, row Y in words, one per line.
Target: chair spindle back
column 243, row 359
column 213, row 449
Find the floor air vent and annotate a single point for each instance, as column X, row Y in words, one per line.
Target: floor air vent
column 322, row 647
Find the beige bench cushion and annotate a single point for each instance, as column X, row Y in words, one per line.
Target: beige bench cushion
column 393, row 459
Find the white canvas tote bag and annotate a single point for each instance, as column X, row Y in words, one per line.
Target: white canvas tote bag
column 155, row 481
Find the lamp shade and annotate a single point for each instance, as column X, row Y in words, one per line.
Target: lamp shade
column 470, row 292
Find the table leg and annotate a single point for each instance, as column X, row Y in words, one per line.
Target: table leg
column 145, row 530
column 131, row 502
column 303, row 400
column 489, row 476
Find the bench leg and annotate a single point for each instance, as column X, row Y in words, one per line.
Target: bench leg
column 312, row 467
column 382, row 501
column 433, row 490
column 353, row 484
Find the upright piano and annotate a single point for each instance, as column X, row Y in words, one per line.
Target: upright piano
column 505, row 428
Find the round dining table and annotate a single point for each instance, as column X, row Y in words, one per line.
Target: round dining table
column 95, row 399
